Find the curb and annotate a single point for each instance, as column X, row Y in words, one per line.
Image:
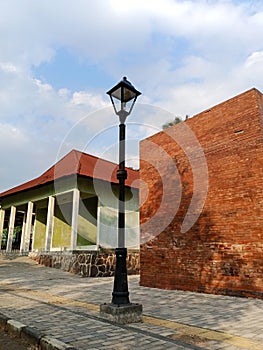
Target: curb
column 32, row 335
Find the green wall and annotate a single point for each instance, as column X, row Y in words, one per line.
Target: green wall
column 108, row 215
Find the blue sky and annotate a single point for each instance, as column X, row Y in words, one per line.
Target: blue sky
column 58, row 59
column 67, row 69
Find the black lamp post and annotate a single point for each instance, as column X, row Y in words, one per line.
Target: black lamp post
column 123, row 97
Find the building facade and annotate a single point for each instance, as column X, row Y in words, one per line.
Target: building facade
column 72, row 207
column 202, row 205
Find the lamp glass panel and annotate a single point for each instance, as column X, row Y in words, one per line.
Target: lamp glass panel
column 117, row 93
column 127, row 94
column 117, row 103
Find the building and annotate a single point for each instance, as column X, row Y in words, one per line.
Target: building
column 70, row 208
column 202, row 218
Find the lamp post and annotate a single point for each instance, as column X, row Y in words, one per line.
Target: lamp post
column 123, row 97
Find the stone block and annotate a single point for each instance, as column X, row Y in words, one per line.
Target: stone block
column 122, row 314
column 49, row 343
column 15, row 327
column 31, row 335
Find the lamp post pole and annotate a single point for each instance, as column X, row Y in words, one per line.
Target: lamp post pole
column 120, row 310
column 120, row 294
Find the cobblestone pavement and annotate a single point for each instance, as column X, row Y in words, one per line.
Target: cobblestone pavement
column 66, row 307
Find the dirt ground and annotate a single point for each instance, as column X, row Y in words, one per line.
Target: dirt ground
column 8, row 342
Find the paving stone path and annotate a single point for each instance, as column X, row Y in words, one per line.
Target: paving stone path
column 66, row 307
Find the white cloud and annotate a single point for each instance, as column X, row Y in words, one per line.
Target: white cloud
column 8, row 67
column 255, row 59
column 85, row 98
column 183, row 55
column 11, row 135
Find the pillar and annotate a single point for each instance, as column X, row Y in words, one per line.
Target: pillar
column 28, row 226
column 50, row 222
column 26, row 229
column 74, row 220
column 22, row 243
column 98, row 224
column 11, row 227
column 2, row 220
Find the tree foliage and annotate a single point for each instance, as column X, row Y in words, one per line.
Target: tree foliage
column 16, row 232
column 176, row 120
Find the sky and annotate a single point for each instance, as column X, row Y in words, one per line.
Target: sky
column 58, row 59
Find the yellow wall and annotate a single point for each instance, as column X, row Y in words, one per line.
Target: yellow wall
column 62, row 226
column 87, row 222
column 40, row 229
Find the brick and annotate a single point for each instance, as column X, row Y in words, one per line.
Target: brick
column 222, row 251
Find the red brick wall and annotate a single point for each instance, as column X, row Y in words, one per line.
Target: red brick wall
column 222, row 251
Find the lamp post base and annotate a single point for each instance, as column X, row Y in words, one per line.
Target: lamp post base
column 122, row 314
column 120, row 294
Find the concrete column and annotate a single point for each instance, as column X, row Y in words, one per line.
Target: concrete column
column 28, row 226
column 22, row 243
column 98, row 224
column 2, row 220
column 74, row 221
column 50, row 222
column 11, row 227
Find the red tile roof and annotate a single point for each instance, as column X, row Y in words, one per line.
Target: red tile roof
column 79, row 163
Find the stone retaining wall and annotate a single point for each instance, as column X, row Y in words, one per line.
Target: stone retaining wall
column 87, row 264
